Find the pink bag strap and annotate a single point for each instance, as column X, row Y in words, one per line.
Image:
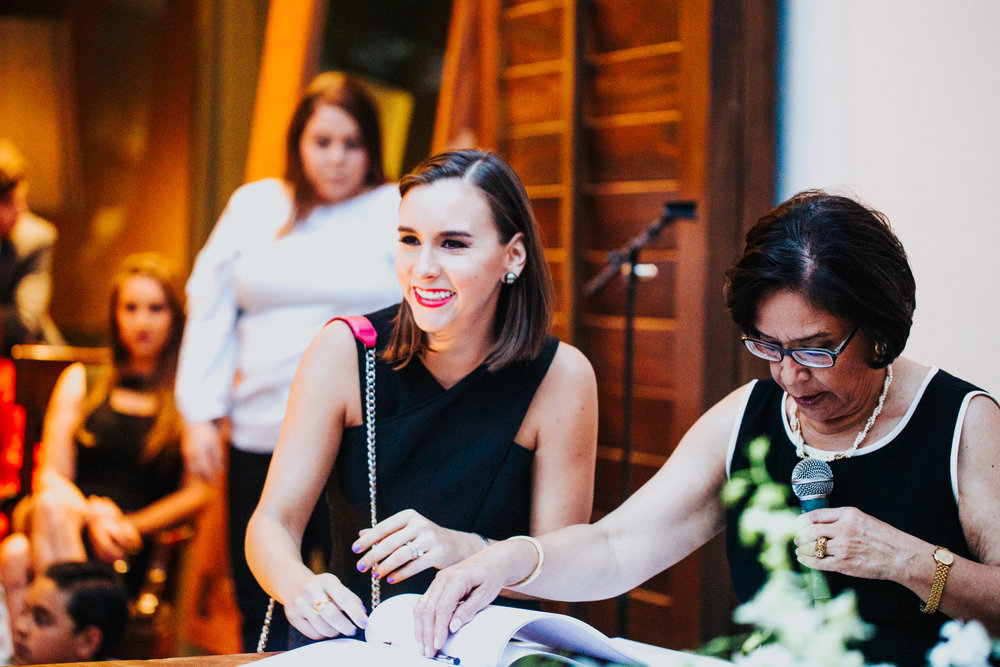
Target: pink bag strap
column 361, row 327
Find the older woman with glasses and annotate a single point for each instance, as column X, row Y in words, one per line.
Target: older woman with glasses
column 825, row 294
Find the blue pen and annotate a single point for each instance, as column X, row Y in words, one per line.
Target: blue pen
column 440, row 657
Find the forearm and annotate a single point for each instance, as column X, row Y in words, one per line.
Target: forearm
column 173, row 509
column 580, row 563
column 274, row 556
column 971, row 590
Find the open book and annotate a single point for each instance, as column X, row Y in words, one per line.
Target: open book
column 496, row 637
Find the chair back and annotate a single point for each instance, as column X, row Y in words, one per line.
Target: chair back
column 36, row 369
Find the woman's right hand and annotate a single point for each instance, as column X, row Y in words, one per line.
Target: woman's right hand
column 323, row 607
column 201, row 445
column 111, row 535
column 461, row 591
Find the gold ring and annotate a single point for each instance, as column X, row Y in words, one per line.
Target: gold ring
column 319, row 604
column 820, row 550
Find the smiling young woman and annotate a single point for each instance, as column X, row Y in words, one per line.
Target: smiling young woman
column 486, row 424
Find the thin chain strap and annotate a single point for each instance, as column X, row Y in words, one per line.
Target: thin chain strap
column 370, row 429
column 266, row 628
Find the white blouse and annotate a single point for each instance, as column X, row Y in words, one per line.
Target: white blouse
column 256, row 301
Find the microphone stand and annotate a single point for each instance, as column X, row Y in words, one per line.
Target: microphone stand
column 625, row 260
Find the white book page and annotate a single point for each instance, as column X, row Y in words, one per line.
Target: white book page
column 344, row 651
column 481, row 642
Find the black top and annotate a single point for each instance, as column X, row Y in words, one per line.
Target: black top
column 114, row 466
column 449, row 454
column 905, row 482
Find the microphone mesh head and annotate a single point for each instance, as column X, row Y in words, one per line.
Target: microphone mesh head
column 812, row 478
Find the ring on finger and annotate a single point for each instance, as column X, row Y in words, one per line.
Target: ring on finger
column 319, row 604
column 820, row 549
column 416, row 551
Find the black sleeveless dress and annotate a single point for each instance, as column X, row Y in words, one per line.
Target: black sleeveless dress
column 904, row 480
column 449, row 454
column 114, row 467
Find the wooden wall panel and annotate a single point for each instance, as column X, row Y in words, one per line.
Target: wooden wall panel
column 616, row 25
column 531, row 158
column 547, row 215
column 533, row 33
column 656, row 82
column 653, row 298
column 635, row 152
column 653, row 410
column 532, row 99
column 603, row 339
column 607, row 109
column 610, row 219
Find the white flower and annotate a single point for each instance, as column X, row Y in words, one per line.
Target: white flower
column 964, row 645
column 769, row 655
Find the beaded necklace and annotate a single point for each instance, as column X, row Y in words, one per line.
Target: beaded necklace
column 800, row 443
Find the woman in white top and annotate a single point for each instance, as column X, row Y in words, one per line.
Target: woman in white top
column 285, row 257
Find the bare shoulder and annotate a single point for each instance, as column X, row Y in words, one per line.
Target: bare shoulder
column 333, row 346
column 71, row 385
column 570, row 365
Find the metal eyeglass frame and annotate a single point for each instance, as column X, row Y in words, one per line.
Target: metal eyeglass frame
column 833, row 354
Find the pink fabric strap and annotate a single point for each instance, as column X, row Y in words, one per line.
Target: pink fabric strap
column 361, row 327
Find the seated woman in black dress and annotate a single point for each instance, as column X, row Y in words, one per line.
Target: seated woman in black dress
column 110, row 472
column 824, row 293
column 486, row 425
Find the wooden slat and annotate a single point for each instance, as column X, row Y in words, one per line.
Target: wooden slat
column 630, row 86
column 644, row 22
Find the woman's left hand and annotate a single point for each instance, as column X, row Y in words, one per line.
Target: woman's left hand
column 407, row 543
column 857, row 544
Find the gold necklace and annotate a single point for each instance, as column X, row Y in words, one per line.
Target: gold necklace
column 800, row 443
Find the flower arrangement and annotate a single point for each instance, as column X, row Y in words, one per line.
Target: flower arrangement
column 791, row 625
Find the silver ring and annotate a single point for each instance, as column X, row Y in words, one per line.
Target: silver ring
column 414, row 549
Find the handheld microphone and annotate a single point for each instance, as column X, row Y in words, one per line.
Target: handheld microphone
column 812, row 482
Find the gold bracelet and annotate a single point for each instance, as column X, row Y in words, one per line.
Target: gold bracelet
column 538, row 567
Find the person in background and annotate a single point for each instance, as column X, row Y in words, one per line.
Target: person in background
column 486, row 425
column 825, row 294
column 285, row 257
column 26, row 247
column 75, row 611
column 110, row 473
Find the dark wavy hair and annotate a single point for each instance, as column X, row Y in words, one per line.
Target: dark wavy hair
column 340, row 90
column 524, row 311
column 841, row 255
column 96, row 597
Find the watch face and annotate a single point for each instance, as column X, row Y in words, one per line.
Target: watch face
column 944, row 556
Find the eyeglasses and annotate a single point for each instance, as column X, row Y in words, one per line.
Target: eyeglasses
column 811, row 357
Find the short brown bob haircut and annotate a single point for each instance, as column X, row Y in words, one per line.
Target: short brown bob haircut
column 340, row 90
column 839, row 254
column 524, row 311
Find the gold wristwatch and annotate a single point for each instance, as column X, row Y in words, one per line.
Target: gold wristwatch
column 942, row 563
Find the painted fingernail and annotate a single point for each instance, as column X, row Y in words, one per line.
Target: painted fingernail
column 355, row 548
column 391, row 580
column 361, row 566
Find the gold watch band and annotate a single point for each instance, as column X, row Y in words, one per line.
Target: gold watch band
column 942, row 563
